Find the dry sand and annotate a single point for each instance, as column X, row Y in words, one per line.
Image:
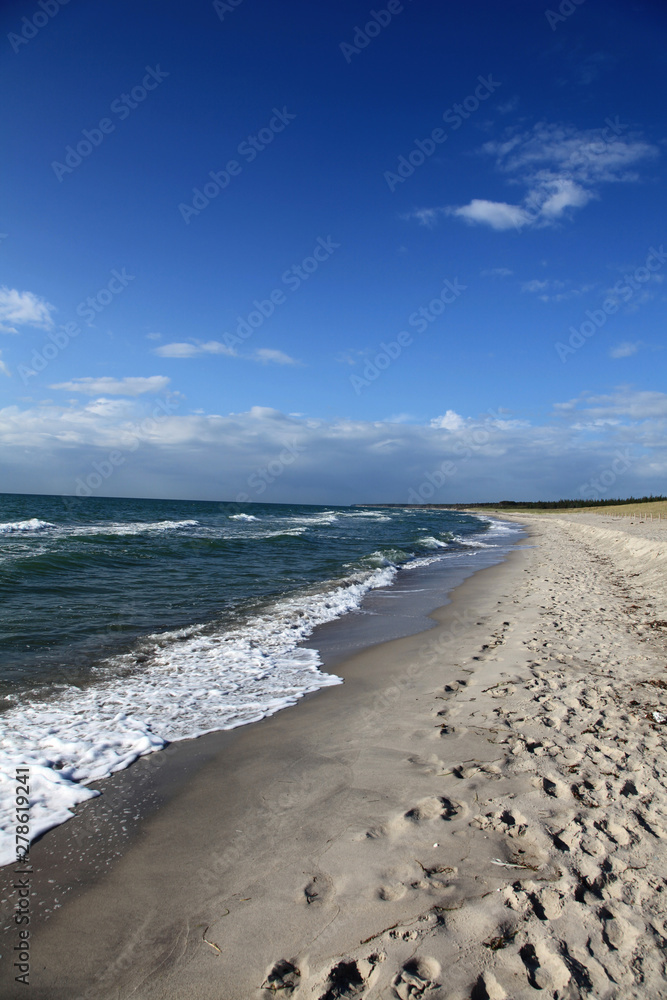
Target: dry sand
column 478, row 812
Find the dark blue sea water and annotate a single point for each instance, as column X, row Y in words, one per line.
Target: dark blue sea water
column 129, row 623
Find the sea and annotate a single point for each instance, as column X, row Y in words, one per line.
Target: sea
column 128, row 624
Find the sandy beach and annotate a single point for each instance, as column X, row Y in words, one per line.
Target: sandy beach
column 479, row 811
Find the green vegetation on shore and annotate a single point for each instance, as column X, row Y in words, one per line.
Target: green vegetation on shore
column 628, row 508
column 642, row 505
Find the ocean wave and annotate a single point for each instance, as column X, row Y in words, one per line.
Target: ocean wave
column 33, row 524
column 243, row 517
column 472, row 543
column 386, row 557
column 327, row 517
column 284, row 533
column 370, row 514
column 190, row 682
column 498, row 527
column 431, row 542
column 122, row 528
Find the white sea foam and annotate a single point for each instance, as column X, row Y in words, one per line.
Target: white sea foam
column 370, row 514
column 129, row 527
column 471, row 543
column 192, row 681
column 498, row 527
column 431, row 542
column 33, row 524
column 243, row 517
column 294, row 532
column 423, row 561
column 326, row 517
column 105, row 528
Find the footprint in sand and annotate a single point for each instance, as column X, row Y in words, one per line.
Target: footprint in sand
column 429, row 765
column 513, row 824
column 284, row 976
column 392, row 892
column 318, row 890
column 348, row 978
column 417, row 977
column 618, row 933
column 545, row 971
column 433, row 808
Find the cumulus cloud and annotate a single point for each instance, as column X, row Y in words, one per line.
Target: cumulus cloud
column 268, row 356
column 23, row 309
column 451, row 421
column 115, row 386
column 167, row 452
column 561, row 168
column 625, row 350
column 197, row 348
column 497, row 214
column 194, row 349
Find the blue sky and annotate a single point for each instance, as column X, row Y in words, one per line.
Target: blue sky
column 350, row 253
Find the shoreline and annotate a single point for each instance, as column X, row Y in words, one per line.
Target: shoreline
column 72, row 859
column 219, row 672
column 300, row 835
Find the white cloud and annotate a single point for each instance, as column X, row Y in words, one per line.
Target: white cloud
column 561, row 168
column 496, row 272
column 451, row 421
column 581, row 155
column 425, row 216
column 115, row 387
column 623, row 404
column 4, row 369
column 625, row 350
column 497, row 214
column 47, row 448
column 194, row 350
column 553, row 290
column 269, row 356
column 153, row 336
column 23, row 309
column 509, row 106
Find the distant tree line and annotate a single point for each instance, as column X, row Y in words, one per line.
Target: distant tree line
column 558, row 504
